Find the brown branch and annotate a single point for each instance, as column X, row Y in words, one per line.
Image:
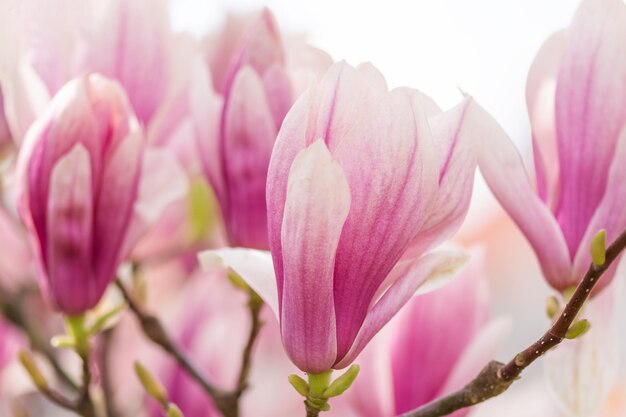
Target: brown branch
column 495, row 378
column 11, row 309
column 85, row 406
column 105, row 374
column 225, row 401
column 59, row 399
column 255, row 304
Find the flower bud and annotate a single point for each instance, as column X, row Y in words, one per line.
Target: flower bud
column 80, row 168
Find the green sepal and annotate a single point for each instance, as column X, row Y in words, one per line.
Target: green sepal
column 341, row 384
column 102, row 321
column 299, row 384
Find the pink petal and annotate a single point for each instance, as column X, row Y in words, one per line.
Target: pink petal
column 610, row 215
column 540, row 97
column 115, row 203
column 133, row 40
column 372, row 394
column 67, row 121
column 16, row 258
column 429, row 338
column 247, row 140
column 291, row 139
column 383, row 157
column 206, row 110
column 174, row 109
column 5, row 132
column 482, row 349
column 25, row 98
column 317, row 203
column 260, row 48
column 162, row 182
column 278, row 90
column 504, row 172
column 590, row 111
column 69, row 247
column 253, row 266
column 410, row 276
column 304, row 63
column 454, row 137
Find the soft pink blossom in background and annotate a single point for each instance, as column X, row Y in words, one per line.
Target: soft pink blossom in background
column 576, row 96
column 426, row 351
column 252, row 70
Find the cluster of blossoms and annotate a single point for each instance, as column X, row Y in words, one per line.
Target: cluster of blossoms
column 280, row 213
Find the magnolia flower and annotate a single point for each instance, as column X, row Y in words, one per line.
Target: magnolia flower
column 362, row 183
column 82, row 200
column 252, row 71
column 427, row 352
column 576, row 96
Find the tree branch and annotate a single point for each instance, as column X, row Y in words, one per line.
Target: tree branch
column 11, row 309
column 225, row 401
column 255, row 304
column 495, row 378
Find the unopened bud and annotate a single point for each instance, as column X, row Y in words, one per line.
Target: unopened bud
column 31, row 367
column 152, row 386
column 578, row 329
column 552, row 307
column 598, row 248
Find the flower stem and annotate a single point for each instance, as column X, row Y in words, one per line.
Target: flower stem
column 77, row 329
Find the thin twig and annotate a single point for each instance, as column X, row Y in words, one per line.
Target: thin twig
column 105, row 374
column 495, row 378
column 85, row 406
column 11, row 309
column 59, row 399
column 225, row 401
column 255, row 304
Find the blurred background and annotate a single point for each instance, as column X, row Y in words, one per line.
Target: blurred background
column 481, row 47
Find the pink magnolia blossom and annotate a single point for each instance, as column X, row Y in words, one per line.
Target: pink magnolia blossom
column 252, row 71
column 362, row 183
column 124, row 41
column 427, row 352
column 80, row 166
column 576, row 96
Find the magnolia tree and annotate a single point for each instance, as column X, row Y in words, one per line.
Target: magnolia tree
column 239, row 226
